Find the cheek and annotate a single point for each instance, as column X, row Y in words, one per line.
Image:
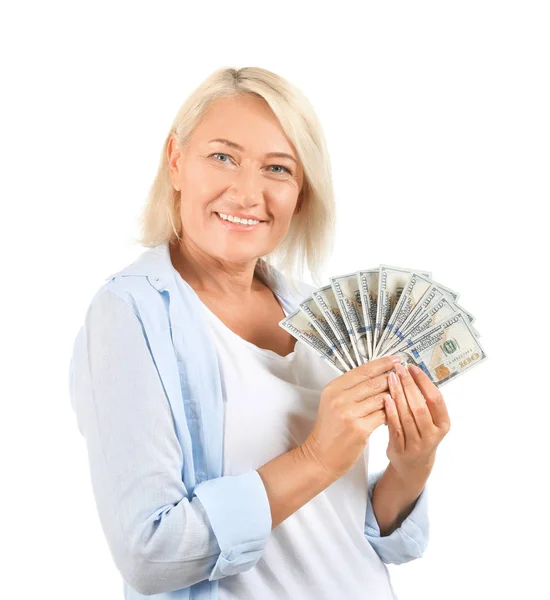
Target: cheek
column 201, row 182
column 284, row 204
column 280, row 225
column 196, row 200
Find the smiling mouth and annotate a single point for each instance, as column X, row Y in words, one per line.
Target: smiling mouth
column 239, row 224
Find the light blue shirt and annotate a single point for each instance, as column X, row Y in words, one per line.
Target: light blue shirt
column 147, row 392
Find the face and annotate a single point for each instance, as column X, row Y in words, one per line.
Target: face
column 217, row 177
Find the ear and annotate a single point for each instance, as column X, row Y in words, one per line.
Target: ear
column 173, row 154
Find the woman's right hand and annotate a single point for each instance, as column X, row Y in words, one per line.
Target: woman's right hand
column 350, row 409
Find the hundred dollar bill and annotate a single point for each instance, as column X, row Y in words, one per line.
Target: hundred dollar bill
column 437, row 312
column 391, row 281
column 313, row 313
column 453, row 295
column 346, row 292
column 328, row 304
column 415, row 288
column 418, row 316
column 446, row 350
column 434, row 306
column 298, row 325
column 469, row 315
column 368, row 289
column 406, row 312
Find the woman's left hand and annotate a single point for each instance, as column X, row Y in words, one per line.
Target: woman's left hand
column 417, row 421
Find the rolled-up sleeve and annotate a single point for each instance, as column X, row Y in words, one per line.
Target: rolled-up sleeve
column 240, row 515
column 407, row 542
column 160, row 538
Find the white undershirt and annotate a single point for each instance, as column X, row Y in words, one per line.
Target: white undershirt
column 319, row 552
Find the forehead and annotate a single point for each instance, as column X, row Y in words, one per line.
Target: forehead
column 246, row 120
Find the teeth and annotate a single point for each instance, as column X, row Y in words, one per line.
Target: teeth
column 238, row 220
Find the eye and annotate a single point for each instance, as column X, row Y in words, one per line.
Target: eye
column 275, row 172
column 281, row 167
column 219, row 154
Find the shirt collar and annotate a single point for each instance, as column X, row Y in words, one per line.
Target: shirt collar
column 155, row 264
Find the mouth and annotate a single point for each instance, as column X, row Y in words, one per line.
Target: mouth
column 237, row 226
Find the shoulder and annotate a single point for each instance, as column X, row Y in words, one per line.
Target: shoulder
column 290, row 289
column 132, row 293
column 110, row 300
column 106, row 317
column 305, row 289
column 300, row 291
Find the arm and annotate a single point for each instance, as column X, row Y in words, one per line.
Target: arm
column 163, row 538
column 417, row 421
column 407, row 538
column 159, row 537
column 393, row 498
column 291, row 480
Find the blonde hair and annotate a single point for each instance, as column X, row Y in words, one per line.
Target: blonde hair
column 310, row 237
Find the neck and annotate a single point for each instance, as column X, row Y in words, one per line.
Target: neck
column 211, row 276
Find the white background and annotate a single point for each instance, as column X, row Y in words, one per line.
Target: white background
column 437, row 120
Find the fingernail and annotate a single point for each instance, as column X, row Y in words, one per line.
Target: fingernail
column 413, row 368
column 393, row 378
column 401, row 370
column 395, row 359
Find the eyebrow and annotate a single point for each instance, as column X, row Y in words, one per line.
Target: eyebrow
column 238, row 147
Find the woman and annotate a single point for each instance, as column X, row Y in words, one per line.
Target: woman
column 226, row 460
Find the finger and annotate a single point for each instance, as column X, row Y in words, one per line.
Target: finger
column 417, row 402
column 366, row 371
column 394, row 424
column 374, row 420
column 368, row 406
column 367, row 388
column 434, row 398
column 406, row 417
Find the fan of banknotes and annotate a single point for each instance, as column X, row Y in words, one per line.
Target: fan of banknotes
column 387, row 311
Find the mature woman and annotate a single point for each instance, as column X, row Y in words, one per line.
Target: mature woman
column 226, row 460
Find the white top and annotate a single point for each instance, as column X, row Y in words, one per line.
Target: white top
column 320, row 552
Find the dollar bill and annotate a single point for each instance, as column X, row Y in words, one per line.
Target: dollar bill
column 391, row 281
column 314, row 314
column 346, row 292
column 436, row 313
column 454, row 296
column 405, row 313
column 448, row 291
column 297, row 324
column 415, row 288
column 434, row 306
column 418, row 315
column 368, row 289
column 328, row 304
column 469, row 315
column 384, row 311
column 446, row 350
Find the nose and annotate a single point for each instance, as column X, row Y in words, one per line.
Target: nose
column 247, row 185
